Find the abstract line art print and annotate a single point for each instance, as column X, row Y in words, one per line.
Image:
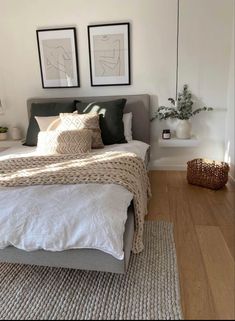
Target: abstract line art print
column 58, row 58
column 109, row 54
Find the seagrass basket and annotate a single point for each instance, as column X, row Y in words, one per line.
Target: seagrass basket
column 207, row 173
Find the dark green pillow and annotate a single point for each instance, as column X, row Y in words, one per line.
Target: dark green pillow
column 111, row 119
column 45, row 110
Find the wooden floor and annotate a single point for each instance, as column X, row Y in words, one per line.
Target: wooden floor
column 204, row 227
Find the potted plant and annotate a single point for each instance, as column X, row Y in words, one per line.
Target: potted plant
column 182, row 109
column 3, row 133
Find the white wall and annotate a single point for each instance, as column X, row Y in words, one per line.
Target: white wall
column 152, row 44
column 230, row 120
column 204, row 58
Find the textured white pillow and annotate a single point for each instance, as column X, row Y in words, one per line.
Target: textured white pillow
column 64, row 142
column 45, row 122
column 127, row 120
column 88, row 121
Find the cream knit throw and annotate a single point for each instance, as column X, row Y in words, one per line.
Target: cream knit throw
column 124, row 169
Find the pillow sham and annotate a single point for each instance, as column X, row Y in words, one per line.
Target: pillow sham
column 111, row 119
column 86, row 121
column 64, row 142
column 45, row 122
column 42, row 110
column 127, row 120
column 49, row 123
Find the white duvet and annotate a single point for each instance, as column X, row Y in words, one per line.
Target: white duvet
column 58, row 218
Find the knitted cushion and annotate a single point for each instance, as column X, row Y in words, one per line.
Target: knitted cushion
column 64, row 142
column 86, row 121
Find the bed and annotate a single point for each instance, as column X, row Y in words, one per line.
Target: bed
column 92, row 259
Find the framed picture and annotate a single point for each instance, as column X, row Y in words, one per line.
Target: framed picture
column 109, row 52
column 58, row 57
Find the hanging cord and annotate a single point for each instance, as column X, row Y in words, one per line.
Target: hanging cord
column 177, row 51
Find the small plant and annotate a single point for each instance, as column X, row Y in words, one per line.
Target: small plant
column 183, row 109
column 3, row 130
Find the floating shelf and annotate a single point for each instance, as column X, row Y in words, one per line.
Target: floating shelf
column 176, row 142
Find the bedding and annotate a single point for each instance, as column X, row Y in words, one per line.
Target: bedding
column 80, row 211
column 53, row 122
column 111, row 118
column 57, row 218
column 134, row 146
column 87, row 121
column 45, row 122
column 64, row 142
column 124, row 169
column 44, row 109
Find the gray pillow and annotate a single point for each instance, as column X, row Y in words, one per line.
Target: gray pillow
column 45, row 110
column 111, row 119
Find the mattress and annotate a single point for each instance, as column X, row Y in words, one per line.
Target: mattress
column 58, row 218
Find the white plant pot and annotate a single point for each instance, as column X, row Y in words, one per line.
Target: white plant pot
column 3, row 136
column 184, row 129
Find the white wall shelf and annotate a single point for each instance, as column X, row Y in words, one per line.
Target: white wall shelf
column 176, row 142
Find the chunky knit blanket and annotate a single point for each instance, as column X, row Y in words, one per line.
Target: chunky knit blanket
column 125, row 169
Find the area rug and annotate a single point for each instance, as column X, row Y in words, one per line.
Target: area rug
column 149, row 291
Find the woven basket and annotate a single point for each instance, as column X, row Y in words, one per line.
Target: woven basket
column 206, row 173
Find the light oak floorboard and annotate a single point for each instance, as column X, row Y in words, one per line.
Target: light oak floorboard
column 196, row 293
column 224, row 214
column 202, row 213
column 191, row 209
column 220, row 269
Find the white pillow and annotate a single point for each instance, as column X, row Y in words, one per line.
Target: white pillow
column 127, row 120
column 64, row 142
column 48, row 123
column 45, row 122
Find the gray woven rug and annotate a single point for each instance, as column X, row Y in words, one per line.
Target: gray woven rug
column 149, row 291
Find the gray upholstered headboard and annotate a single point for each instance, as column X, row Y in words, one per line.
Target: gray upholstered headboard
column 139, row 105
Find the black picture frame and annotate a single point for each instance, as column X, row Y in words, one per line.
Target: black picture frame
column 58, row 57
column 122, row 74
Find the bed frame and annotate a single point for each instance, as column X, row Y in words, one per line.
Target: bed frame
column 93, row 260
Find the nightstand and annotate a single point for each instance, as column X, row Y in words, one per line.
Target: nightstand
column 176, row 142
column 6, row 144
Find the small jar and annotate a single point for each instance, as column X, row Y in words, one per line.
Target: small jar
column 16, row 133
column 166, row 134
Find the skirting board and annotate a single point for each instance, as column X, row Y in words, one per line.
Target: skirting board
column 153, row 166
column 181, row 167
column 167, row 168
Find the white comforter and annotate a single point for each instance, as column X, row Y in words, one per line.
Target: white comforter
column 58, row 218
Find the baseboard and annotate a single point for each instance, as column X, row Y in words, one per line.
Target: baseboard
column 177, row 167
column 167, row 167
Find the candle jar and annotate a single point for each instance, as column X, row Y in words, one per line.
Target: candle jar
column 16, row 133
column 166, row 134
